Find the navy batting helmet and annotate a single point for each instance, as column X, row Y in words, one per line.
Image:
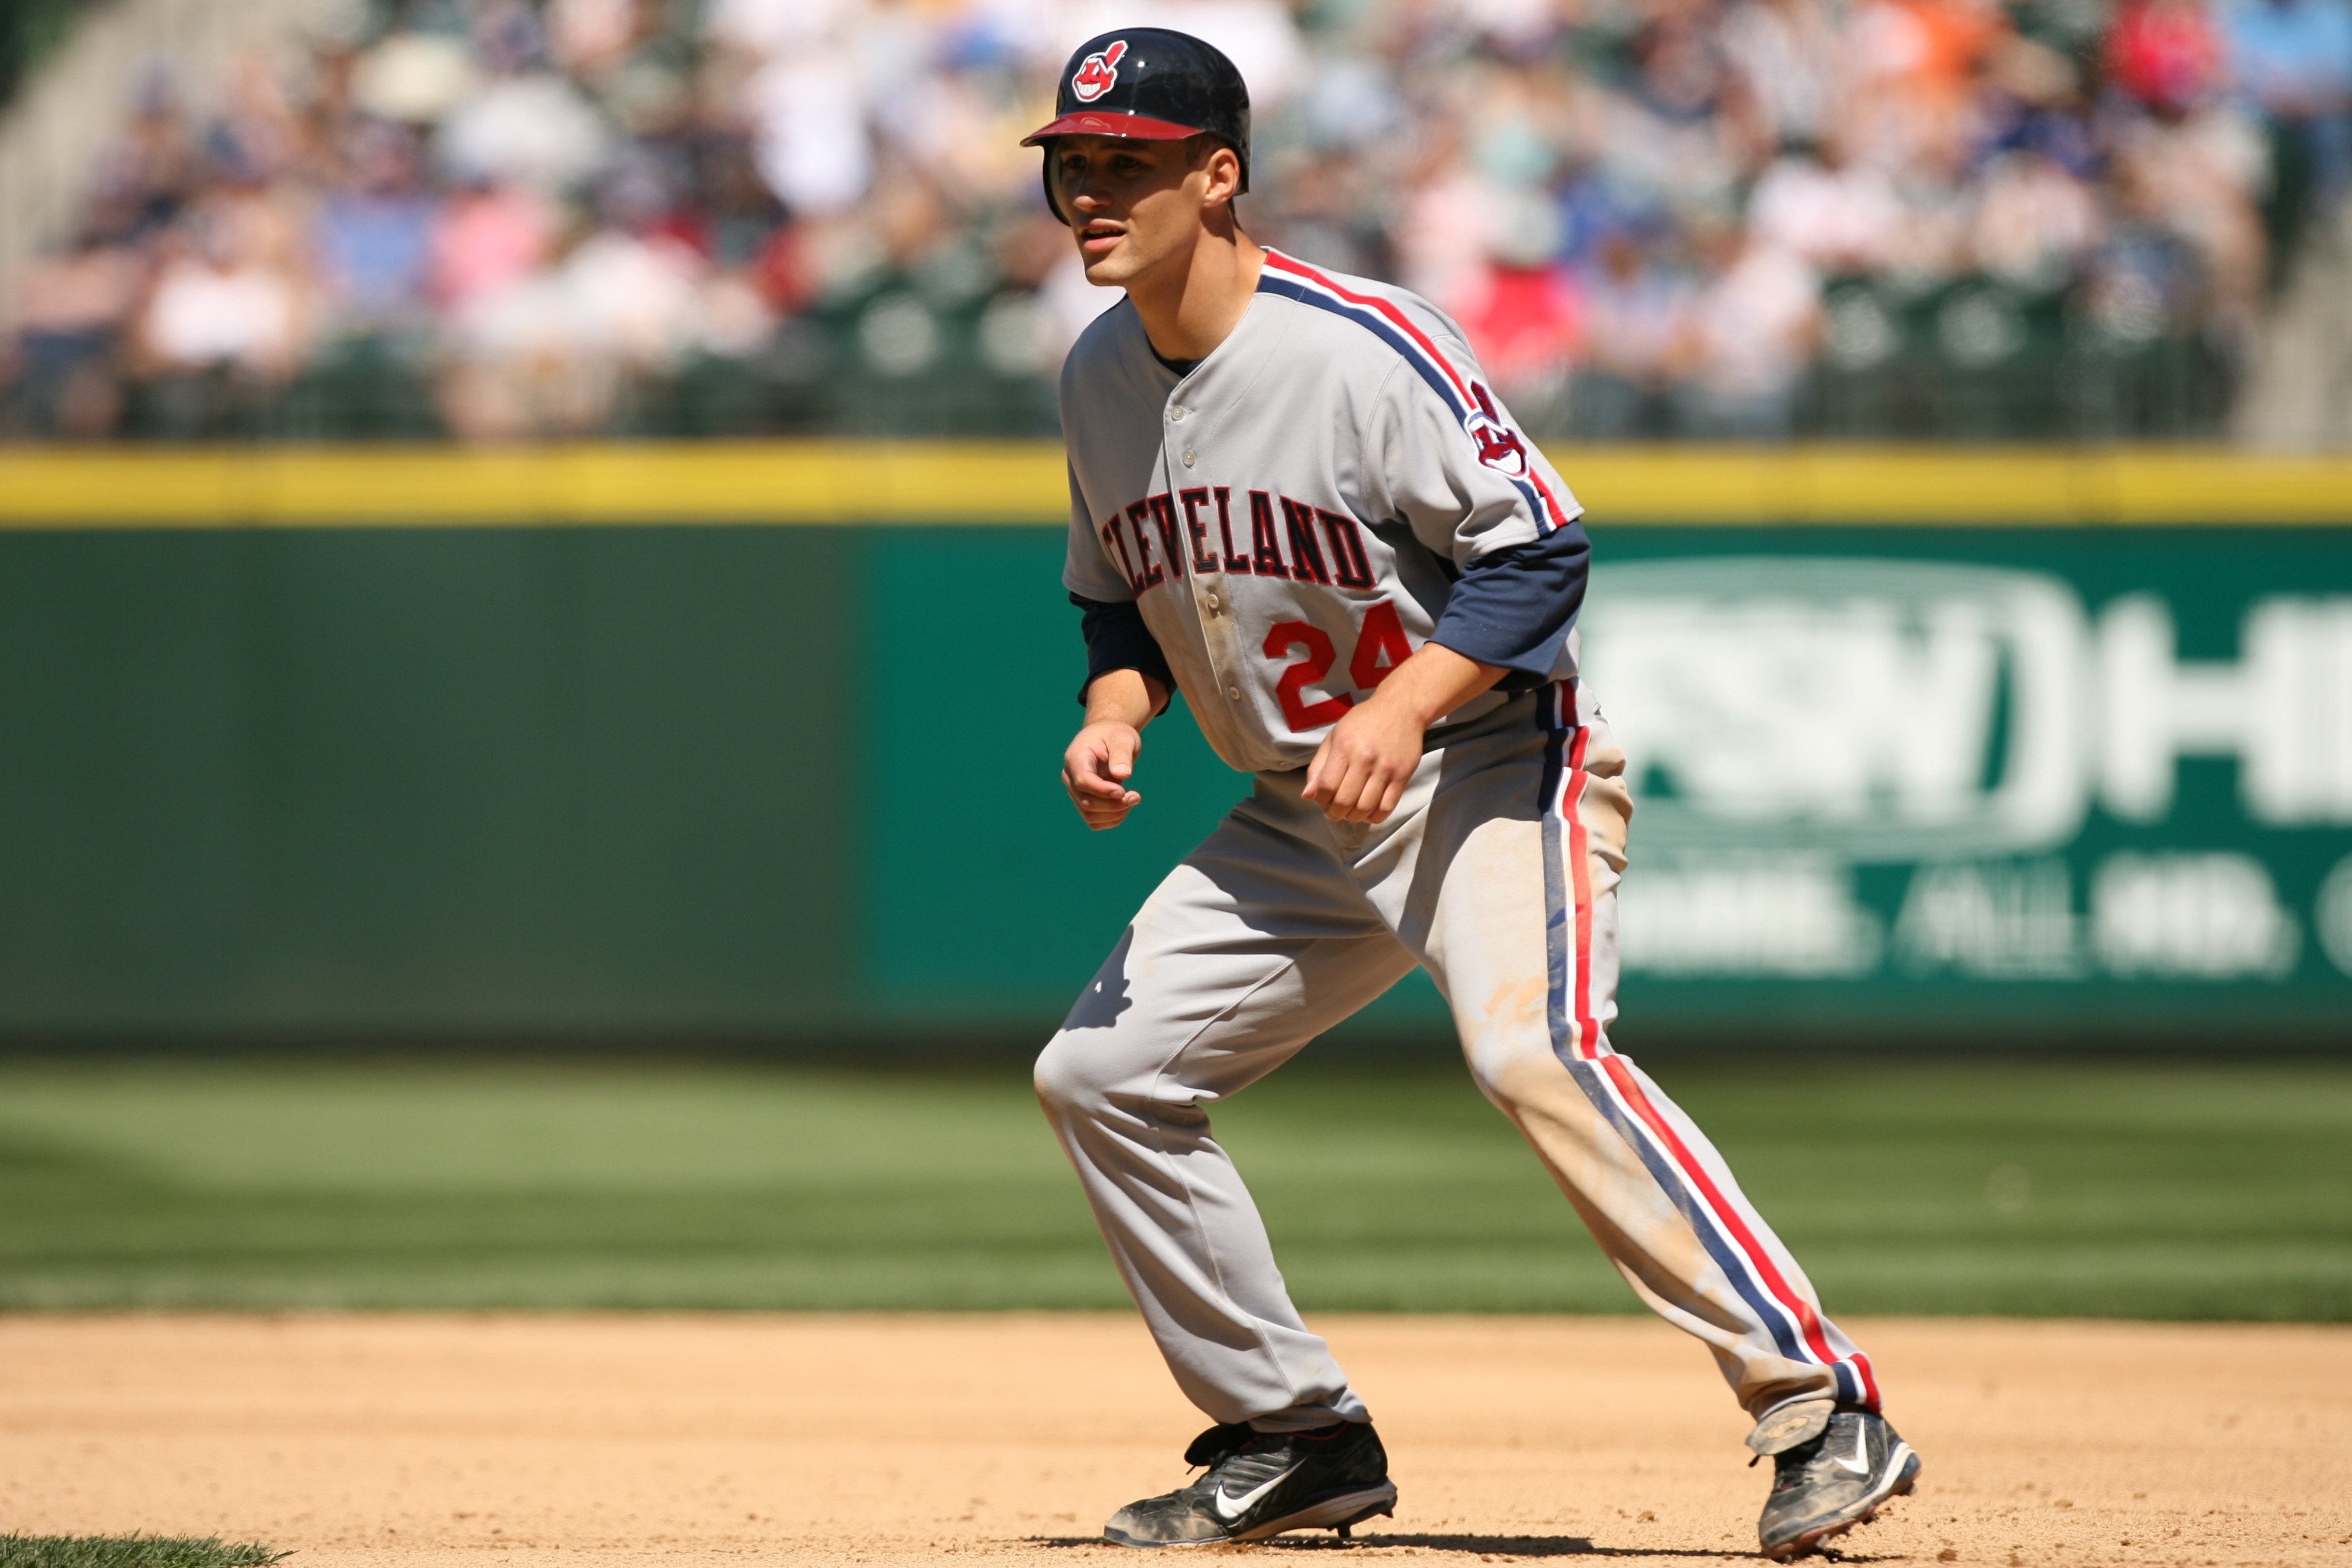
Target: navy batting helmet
column 1149, row 84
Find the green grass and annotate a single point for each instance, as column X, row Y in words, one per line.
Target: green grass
column 2164, row 1190
column 132, row 1552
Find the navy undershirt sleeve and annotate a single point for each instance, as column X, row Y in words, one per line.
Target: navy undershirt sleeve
column 1514, row 607
column 1117, row 638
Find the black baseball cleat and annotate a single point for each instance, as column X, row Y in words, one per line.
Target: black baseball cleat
column 1831, row 1480
column 1262, row 1483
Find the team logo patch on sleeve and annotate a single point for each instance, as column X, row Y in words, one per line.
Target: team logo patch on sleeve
column 1099, row 72
column 1499, row 446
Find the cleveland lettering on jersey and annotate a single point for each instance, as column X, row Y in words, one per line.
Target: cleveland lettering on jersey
column 1290, row 549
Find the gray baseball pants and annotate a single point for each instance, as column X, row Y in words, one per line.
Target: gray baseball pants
column 1498, row 872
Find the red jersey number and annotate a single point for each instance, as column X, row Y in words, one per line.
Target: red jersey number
column 1381, row 647
column 1296, row 711
column 1382, row 638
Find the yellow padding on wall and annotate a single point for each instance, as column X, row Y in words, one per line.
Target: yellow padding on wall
column 1024, row 482
column 429, row 486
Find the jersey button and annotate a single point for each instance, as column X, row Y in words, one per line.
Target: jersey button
column 1187, row 457
column 1234, row 692
column 1176, row 415
column 1213, row 601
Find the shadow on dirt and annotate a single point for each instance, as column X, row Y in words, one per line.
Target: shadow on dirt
column 1485, row 1545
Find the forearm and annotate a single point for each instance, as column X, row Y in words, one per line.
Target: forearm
column 1433, row 683
column 1127, row 697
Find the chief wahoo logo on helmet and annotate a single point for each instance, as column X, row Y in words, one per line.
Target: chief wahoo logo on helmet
column 1149, row 84
column 1098, row 74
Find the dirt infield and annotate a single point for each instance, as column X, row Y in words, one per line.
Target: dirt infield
column 435, row 1442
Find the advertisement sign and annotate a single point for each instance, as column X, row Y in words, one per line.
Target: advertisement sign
column 1882, row 762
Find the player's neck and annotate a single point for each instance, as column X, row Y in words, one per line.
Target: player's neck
column 1193, row 303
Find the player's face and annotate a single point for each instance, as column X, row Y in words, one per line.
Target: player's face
column 1134, row 204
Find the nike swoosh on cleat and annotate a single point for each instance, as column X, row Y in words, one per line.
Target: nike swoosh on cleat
column 1860, row 1463
column 1233, row 1507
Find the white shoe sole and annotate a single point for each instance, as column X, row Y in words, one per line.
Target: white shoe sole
column 1331, row 1514
column 1335, row 1513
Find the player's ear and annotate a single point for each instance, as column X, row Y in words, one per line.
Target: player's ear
column 1224, row 183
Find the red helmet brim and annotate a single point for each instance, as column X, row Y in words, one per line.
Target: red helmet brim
column 1134, row 127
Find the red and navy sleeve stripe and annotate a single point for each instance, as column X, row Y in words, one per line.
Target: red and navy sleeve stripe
column 1293, row 279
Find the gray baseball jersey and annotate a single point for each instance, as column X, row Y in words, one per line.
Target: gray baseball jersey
column 1292, row 516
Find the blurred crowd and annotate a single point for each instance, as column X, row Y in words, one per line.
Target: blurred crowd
column 1650, row 216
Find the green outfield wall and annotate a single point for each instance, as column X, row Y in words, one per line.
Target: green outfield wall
column 464, row 747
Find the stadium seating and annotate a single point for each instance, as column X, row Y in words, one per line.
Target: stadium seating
column 1862, row 219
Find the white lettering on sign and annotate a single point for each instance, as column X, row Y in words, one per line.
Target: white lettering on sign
column 1788, row 915
column 1890, row 710
column 2331, row 916
column 2191, row 917
column 2284, row 709
column 1997, row 919
column 1898, row 710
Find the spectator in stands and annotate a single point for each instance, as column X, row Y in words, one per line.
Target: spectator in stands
column 1754, row 329
column 155, row 169
column 529, row 129
column 2164, row 53
column 2034, row 222
column 1671, row 131
column 1835, row 213
column 71, row 316
column 521, row 360
column 1912, row 72
column 375, row 241
column 2192, row 172
column 2293, row 61
column 1640, row 328
column 222, row 330
column 1786, row 54
column 2145, row 281
column 809, row 103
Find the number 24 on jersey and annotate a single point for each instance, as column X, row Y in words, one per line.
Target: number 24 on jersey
column 1381, row 647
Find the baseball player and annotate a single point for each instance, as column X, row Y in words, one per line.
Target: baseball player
column 1294, row 499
